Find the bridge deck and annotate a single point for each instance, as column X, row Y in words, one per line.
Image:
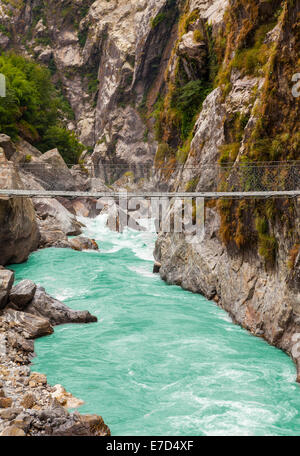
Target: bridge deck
column 143, row 194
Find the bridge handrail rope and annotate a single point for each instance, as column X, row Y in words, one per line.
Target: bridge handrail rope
column 231, row 180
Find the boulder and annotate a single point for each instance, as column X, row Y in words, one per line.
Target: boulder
column 32, row 326
column 53, row 238
column 64, row 398
column 19, row 234
column 53, row 173
column 6, row 283
column 20, row 343
column 55, row 311
column 54, row 216
column 22, row 293
column 84, row 425
column 86, row 207
column 82, row 243
column 25, row 153
column 12, row 431
column 9, row 413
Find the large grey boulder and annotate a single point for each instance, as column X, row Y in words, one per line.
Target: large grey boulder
column 22, row 293
column 55, row 311
column 55, row 223
column 6, row 283
column 52, row 172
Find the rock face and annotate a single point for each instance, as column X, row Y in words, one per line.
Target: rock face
column 52, row 172
column 248, row 261
column 19, row 234
column 106, row 56
column 6, row 283
column 55, row 222
column 23, row 293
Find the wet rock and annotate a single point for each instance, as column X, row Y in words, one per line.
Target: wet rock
column 55, row 311
column 53, row 173
column 118, row 220
column 86, row 207
column 85, row 425
column 64, row 398
column 156, row 267
column 6, row 283
column 82, row 243
column 22, row 293
column 32, row 326
column 13, row 431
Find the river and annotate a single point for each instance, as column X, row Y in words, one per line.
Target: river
column 160, row 360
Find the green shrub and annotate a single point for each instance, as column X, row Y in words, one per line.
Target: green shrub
column 187, row 100
column 65, row 141
column 33, row 108
column 155, row 21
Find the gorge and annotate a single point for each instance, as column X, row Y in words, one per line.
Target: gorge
column 184, row 88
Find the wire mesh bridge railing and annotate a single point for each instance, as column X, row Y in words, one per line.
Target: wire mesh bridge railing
column 264, row 179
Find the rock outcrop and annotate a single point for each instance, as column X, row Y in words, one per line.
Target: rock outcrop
column 248, row 262
column 56, row 312
column 19, row 234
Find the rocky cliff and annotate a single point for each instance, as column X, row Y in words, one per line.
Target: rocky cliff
column 249, row 260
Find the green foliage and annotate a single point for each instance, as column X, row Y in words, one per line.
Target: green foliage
column 192, row 185
column 82, row 36
column 187, row 101
column 198, row 36
column 33, row 108
column 65, row 141
column 228, row 153
column 155, row 21
column 252, row 60
column 267, row 244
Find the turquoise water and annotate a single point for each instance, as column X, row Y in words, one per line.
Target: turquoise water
column 160, row 361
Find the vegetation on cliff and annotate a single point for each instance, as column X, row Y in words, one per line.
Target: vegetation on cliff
column 33, row 108
column 256, row 41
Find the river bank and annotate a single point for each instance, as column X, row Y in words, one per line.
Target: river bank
column 29, row 405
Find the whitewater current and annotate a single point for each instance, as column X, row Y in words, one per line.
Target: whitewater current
column 160, row 360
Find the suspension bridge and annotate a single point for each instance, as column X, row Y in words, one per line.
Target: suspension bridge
column 241, row 181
